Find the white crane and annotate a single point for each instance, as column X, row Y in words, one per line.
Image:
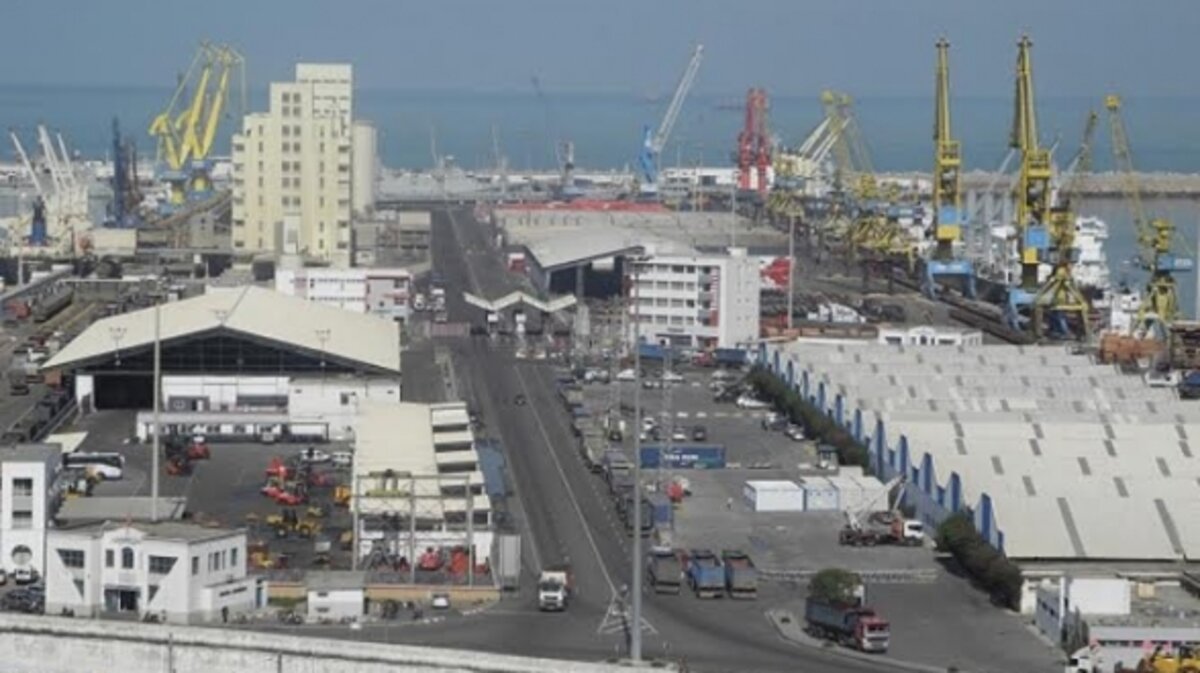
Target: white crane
column 37, row 184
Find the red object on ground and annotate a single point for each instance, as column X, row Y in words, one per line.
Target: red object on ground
column 675, row 492
column 430, row 560
column 277, row 469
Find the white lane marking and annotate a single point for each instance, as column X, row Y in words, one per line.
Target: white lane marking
column 570, row 493
column 701, row 414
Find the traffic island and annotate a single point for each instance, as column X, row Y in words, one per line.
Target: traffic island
column 791, row 629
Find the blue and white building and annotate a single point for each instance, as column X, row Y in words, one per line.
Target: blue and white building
column 1058, row 460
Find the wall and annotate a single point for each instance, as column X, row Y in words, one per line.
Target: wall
column 59, row 645
column 335, row 400
column 34, row 537
column 335, row 603
column 222, row 392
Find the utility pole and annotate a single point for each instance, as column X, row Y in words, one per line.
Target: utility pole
column 791, row 289
column 157, row 409
column 635, row 639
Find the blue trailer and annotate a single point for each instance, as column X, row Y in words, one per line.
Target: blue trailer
column 705, row 575
column 663, row 510
column 683, row 456
column 730, row 357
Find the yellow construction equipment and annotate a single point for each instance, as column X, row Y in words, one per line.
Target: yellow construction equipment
column 1186, row 660
column 1041, row 237
column 1155, row 236
column 186, row 131
column 947, row 189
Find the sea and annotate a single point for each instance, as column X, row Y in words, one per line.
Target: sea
column 472, row 128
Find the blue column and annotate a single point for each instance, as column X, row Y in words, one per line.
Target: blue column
column 955, row 492
column 985, row 517
column 927, row 473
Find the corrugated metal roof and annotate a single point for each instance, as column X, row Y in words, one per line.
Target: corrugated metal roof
column 293, row 321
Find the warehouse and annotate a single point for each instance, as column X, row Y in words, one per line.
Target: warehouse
column 236, row 352
column 1048, row 451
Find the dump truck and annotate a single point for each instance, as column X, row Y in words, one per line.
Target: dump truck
column 705, row 575
column 664, row 570
column 593, row 446
column 554, row 588
column 625, row 511
column 618, row 471
column 741, row 577
column 848, row 623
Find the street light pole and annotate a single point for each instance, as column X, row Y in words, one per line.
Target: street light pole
column 791, row 290
column 635, row 640
column 157, row 411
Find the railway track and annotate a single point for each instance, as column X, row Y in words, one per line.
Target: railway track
column 968, row 313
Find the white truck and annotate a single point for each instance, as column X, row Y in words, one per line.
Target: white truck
column 554, row 589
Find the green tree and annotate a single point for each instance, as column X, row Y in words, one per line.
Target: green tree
column 834, row 585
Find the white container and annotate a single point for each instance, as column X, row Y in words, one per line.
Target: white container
column 820, row 494
column 773, row 496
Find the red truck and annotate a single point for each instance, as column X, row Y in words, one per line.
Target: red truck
column 849, row 624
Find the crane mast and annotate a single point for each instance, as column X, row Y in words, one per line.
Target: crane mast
column 947, row 187
column 1033, row 183
column 653, row 142
column 1155, row 236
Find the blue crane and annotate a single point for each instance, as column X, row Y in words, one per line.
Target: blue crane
column 653, row 142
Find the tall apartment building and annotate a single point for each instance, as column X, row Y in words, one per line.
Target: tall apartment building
column 293, row 168
column 695, row 301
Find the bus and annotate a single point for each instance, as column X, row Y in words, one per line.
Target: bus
column 106, row 466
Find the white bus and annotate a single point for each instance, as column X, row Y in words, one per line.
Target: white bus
column 107, row 466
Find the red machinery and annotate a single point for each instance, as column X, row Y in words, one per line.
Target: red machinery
column 754, row 144
column 431, row 559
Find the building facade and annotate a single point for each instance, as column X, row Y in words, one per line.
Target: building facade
column 29, row 496
column 178, row 572
column 382, row 292
column 695, row 301
column 293, row 166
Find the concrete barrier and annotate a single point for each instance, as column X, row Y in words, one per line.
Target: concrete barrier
column 61, row 645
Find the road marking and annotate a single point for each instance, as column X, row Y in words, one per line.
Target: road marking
column 681, row 414
column 587, row 531
column 701, row 414
column 720, row 414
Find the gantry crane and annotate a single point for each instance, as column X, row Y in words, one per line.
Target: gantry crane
column 186, row 132
column 653, row 142
column 754, row 144
column 1155, row 236
column 1038, row 239
column 947, row 226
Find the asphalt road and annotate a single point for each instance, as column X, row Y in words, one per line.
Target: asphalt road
column 569, row 519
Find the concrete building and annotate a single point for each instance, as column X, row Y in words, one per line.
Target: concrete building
column 389, row 238
column 366, row 165
column 244, row 363
column 29, row 496
column 293, row 168
column 1113, row 620
column 419, row 459
column 182, row 572
column 695, row 301
column 928, row 335
column 336, row 595
column 1047, row 451
column 382, row 292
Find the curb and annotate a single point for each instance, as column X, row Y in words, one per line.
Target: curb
column 792, row 633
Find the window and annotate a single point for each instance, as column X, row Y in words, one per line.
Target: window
column 287, row 131
column 22, row 519
column 161, row 565
column 79, row 587
column 71, row 558
column 23, row 487
column 127, row 558
column 233, row 557
column 109, row 558
column 195, row 566
column 286, row 96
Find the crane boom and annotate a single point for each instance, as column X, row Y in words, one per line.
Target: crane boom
column 681, row 91
column 37, row 184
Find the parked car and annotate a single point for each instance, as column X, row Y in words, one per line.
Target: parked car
column 699, row 433
column 343, row 458
column 440, row 601
column 314, row 455
column 651, row 384
column 794, row 432
column 774, row 421
column 748, row 402
column 679, row 434
column 627, row 375
column 519, row 400
column 23, row 576
column 673, row 377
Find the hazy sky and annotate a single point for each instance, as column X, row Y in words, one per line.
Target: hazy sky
column 867, row 47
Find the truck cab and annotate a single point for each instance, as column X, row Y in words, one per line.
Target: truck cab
column 554, row 589
column 665, row 571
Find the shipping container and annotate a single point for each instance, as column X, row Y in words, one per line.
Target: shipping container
column 820, row 494
column 664, row 511
column 684, row 457
column 506, row 560
column 774, row 496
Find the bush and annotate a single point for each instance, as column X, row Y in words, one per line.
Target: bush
column 789, row 403
column 834, row 585
column 991, row 569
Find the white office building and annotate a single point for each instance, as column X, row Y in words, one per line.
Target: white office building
column 382, row 292
column 178, row 572
column 293, row 182
column 696, row 301
column 29, row 496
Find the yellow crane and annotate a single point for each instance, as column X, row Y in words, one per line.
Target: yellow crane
column 186, row 131
column 1155, row 236
column 947, row 188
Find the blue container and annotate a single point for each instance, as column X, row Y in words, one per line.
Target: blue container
column 684, row 457
column 664, row 511
column 730, row 356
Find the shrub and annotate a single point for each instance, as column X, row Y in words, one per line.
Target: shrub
column 834, row 585
column 789, row 403
column 991, row 569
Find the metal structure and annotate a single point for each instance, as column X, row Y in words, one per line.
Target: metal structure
column 122, row 210
column 653, row 142
column 1155, row 236
column 754, row 144
column 947, row 230
column 187, row 128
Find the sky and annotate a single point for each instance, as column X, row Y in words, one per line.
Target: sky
column 792, row 47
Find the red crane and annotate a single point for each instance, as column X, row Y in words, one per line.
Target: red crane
column 754, row 145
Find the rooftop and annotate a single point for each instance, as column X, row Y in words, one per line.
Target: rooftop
column 1068, row 450
column 178, row 531
column 335, row 580
column 253, row 311
column 120, row 508
column 31, row 453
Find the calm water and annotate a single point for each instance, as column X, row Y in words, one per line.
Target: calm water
column 607, row 131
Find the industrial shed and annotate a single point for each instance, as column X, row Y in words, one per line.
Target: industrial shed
column 1051, row 453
